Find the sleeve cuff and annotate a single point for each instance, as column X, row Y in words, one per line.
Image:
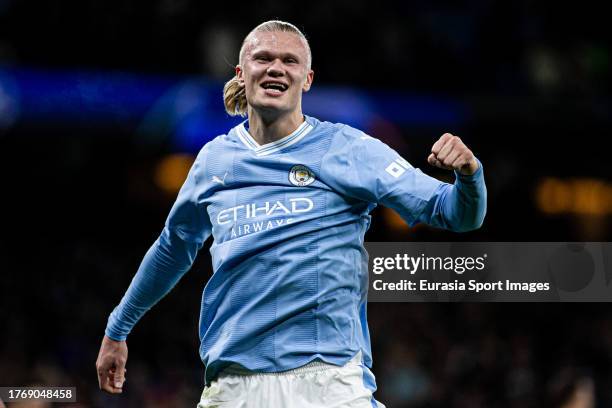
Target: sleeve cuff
column 471, row 177
column 113, row 336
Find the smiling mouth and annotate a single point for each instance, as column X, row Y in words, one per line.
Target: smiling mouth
column 274, row 88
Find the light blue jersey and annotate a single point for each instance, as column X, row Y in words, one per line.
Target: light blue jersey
column 288, row 220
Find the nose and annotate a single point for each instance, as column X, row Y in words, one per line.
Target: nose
column 276, row 68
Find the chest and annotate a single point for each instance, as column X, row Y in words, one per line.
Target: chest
column 251, row 195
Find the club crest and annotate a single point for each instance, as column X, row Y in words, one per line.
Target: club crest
column 300, row 175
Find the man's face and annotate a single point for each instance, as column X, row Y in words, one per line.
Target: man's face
column 275, row 71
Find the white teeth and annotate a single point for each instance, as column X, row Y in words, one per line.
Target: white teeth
column 274, row 85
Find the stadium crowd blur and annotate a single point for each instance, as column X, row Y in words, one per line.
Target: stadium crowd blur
column 86, row 192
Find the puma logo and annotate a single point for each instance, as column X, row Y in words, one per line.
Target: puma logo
column 216, row 179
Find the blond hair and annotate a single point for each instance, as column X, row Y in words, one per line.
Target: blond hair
column 234, row 96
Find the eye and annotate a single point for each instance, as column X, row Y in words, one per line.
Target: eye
column 262, row 58
column 291, row 61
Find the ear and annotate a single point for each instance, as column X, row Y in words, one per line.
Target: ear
column 239, row 74
column 308, row 81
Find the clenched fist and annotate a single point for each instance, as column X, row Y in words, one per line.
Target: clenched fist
column 450, row 153
column 111, row 365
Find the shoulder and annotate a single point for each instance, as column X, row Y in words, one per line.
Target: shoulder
column 217, row 146
column 352, row 146
column 342, row 134
column 218, row 143
column 350, row 140
column 210, row 154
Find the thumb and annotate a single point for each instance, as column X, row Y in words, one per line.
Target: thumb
column 119, row 373
column 432, row 160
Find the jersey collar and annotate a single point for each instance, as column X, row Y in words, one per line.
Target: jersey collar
column 272, row 147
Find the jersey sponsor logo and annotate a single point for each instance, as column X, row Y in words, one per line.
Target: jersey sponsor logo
column 253, row 217
column 398, row 167
column 253, row 210
column 301, row 176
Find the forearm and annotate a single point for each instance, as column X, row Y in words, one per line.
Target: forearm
column 168, row 259
column 461, row 206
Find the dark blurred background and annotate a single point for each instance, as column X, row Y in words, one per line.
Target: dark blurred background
column 104, row 104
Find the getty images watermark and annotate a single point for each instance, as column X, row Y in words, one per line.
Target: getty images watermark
column 490, row 271
column 457, row 264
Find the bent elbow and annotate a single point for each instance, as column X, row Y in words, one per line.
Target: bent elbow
column 471, row 224
column 474, row 226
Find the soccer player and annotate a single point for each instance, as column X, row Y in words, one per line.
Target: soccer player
column 287, row 199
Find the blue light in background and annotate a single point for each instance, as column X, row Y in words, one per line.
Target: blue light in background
column 189, row 110
column 9, row 101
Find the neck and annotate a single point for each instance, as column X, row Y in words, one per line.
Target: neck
column 270, row 129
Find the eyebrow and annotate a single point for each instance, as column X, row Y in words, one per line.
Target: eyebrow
column 257, row 53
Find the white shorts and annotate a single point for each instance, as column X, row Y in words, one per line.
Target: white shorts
column 315, row 385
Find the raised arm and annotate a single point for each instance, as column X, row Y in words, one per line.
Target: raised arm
column 363, row 167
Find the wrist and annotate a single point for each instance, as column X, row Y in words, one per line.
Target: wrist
column 471, row 168
column 112, row 339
